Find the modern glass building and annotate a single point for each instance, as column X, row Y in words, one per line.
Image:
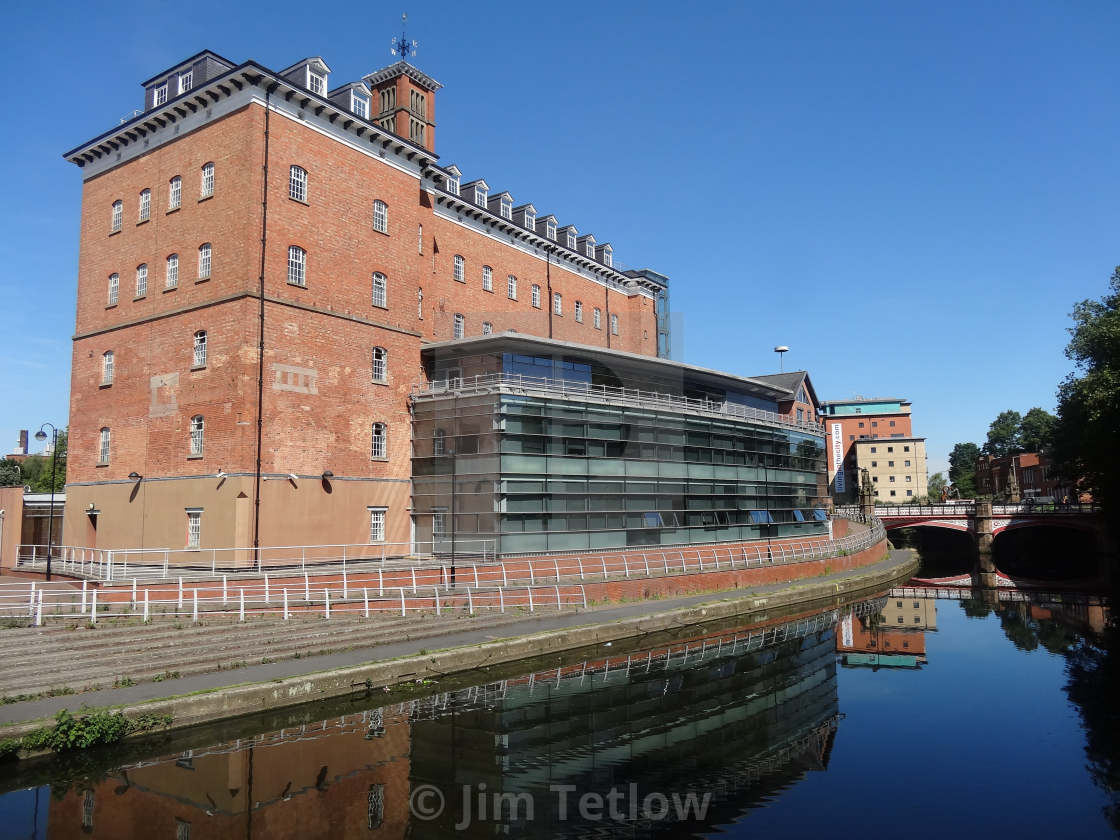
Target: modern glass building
column 541, row 445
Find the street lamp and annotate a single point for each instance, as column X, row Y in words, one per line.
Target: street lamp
column 41, row 435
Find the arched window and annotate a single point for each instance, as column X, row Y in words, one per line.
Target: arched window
column 377, row 447
column 118, row 216
column 487, row 328
column 204, row 261
column 207, row 187
column 141, row 280
column 103, row 446
column 297, row 266
column 439, row 443
column 199, row 359
column 114, row 289
column 579, row 312
column 380, row 365
column 174, row 193
column 380, row 292
column 107, row 367
column 171, row 277
column 597, row 318
column 145, row 205
column 380, row 216
column 487, row 279
column 197, row 433
column 460, row 321
column 614, row 325
column 511, row 287
column 558, row 303
column 535, row 296
column 460, row 273
column 297, row 183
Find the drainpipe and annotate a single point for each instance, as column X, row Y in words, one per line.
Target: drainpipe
column 260, row 340
column 548, row 285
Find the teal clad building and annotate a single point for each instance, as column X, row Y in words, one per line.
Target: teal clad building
column 527, row 444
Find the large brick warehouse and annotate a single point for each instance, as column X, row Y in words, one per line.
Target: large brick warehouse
column 264, row 260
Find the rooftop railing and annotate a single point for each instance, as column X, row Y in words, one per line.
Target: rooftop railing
column 634, row 397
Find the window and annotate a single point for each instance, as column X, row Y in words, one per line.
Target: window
column 890, row 463
column 141, row 280
column 376, row 525
column 530, row 220
column 439, row 523
column 800, row 415
column 892, row 479
column 359, row 103
column 535, row 296
column 460, row 274
column 375, row 807
column 388, row 99
column 874, row 449
column 194, row 528
column 114, row 288
column 159, row 95
column 171, row 275
column 893, row 493
column 907, row 463
column 118, row 216
column 199, row 349
column 186, row 81
column 204, row 261
column 892, row 422
column 417, row 103
column 207, row 181
column 597, row 318
column 197, row 432
column 145, row 205
column 487, row 279
column 379, row 295
column 571, row 238
column 550, row 229
column 480, row 193
column 182, row 829
column 908, row 479
column 875, row 424
column 511, row 287
column 861, row 424
column 506, row 207
column 381, row 218
column 388, row 124
column 379, row 369
column 316, row 82
column 87, row 809
column 420, row 302
column 377, row 442
column 453, row 184
column 107, row 367
column 439, row 443
column 103, row 447
column 558, row 304
column 579, row 312
column 874, row 464
column 460, row 322
column 589, row 248
column 174, row 193
column 608, row 257
column 890, row 449
column 415, row 130
column 487, row 328
column 297, row 266
column 297, row 183
column 911, row 493
column 614, row 325
column 906, row 449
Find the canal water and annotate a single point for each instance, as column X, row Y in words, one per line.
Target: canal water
column 902, row 715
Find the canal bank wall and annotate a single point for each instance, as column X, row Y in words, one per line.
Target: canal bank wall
column 296, row 682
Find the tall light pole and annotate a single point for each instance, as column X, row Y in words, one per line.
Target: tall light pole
column 41, row 435
column 781, row 350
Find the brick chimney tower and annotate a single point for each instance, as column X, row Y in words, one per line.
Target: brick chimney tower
column 404, row 100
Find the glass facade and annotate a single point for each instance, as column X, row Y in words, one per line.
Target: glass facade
column 533, row 463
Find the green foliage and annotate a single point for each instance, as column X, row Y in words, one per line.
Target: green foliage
column 11, row 473
column 935, row 485
column 1005, row 434
column 1087, row 433
column 89, row 729
column 962, row 468
column 1036, row 432
column 37, row 469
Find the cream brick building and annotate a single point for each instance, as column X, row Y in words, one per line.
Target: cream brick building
column 897, row 467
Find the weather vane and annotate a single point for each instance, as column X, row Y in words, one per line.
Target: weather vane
column 402, row 46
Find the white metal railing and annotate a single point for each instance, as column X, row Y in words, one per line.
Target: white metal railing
column 394, row 590
column 488, row 383
column 969, row 508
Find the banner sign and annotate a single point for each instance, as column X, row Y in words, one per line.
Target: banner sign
column 838, row 456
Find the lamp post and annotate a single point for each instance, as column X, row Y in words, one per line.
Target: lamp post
column 454, row 460
column 41, row 435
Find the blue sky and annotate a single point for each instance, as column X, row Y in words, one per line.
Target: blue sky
column 911, row 196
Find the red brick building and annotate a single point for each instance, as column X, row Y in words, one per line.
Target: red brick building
column 262, row 256
column 1034, row 473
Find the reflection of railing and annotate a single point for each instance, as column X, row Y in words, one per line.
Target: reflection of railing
column 969, row 509
column 635, row 397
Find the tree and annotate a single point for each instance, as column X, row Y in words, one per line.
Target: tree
column 962, row 468
column 1036, row 430
column 1086, row 442
column 37, row 469
column 1004, row 434
column 11, row 473
column 935, row 485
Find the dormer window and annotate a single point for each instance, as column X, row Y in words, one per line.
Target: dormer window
column 589, row 248
column 186, row 81
column 453, row 184
column 550, row 229
column 571, row 239
column 480, row 195
column 359, row 103
column 530, row 220
column 316, row 82
column 507, row 207
column 159, row 96
column 607, row 256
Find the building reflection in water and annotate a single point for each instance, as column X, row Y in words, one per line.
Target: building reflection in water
column 894, row 637
column 738, row 714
